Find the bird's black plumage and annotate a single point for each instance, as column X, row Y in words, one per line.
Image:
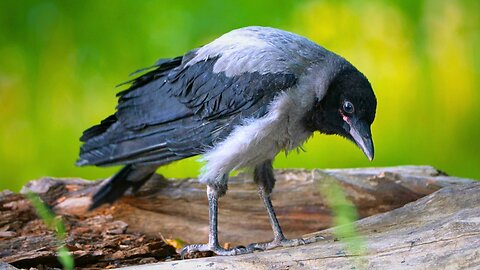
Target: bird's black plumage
column 177, row 111
column 348, row 84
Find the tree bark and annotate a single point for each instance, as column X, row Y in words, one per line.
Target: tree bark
column 130, row 232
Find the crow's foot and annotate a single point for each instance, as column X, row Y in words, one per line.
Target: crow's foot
column 216, row 249
column 282, row 242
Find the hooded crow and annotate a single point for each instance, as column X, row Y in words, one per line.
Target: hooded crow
column 237, row 101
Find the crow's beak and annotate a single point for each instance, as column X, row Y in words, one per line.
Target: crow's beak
column 362, row 136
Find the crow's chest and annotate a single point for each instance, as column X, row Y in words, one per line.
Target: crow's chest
column 258, row 140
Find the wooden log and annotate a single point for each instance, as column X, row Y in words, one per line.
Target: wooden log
column 130, row 231
column 179, row 208
column 96, row 241
column 439, row 231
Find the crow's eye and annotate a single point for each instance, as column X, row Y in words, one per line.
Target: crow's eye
column 348, row 107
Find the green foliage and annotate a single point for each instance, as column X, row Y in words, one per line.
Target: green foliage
column 60, row 60
column 53, row 223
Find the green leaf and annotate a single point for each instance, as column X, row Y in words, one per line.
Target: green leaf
column 55, row 224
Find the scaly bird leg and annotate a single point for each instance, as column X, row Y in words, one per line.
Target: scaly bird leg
column 263, row 176
column 213, row 245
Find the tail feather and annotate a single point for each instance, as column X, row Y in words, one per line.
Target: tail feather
column 128, row 177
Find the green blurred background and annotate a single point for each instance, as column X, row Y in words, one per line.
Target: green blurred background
column 60, row 61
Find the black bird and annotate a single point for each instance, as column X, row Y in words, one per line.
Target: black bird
column 238, row 101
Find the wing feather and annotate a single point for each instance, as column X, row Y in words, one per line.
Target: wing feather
column 177, row 111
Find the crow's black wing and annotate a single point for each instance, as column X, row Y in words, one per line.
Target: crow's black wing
column 177, row 111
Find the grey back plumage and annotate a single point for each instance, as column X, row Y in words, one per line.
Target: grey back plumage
column 261, row 49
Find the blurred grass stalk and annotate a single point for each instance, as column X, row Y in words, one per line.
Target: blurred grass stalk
column 53, row 223
column 344, row 215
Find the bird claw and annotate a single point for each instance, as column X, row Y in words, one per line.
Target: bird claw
column 216, row 249
column 283, row 242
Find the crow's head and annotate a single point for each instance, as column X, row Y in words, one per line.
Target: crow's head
column 347, row 109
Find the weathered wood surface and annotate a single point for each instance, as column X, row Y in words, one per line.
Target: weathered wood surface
column 439, row 231
column 178, row 209
column 96, row 241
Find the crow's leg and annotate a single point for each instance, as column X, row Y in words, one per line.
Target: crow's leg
column 214, row 191
column 263, row 176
